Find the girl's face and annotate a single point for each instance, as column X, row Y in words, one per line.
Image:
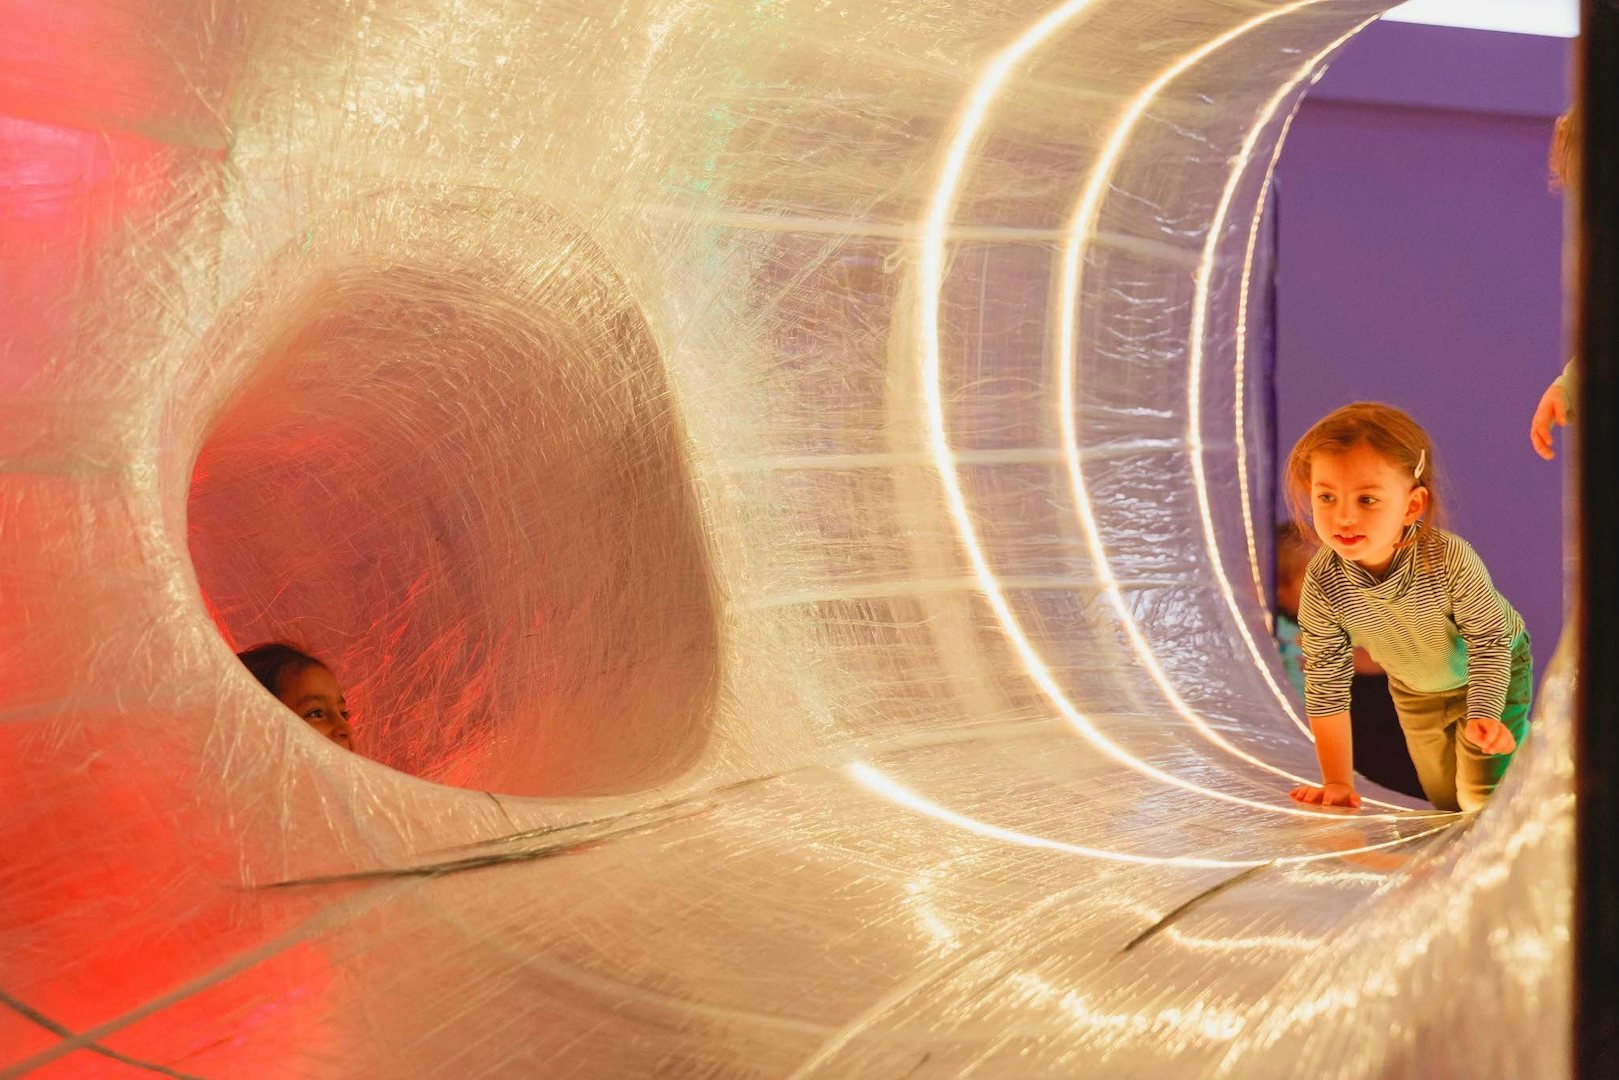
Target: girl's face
column 312, row 692
column 1362, row 503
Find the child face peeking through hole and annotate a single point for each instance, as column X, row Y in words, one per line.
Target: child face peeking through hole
column 304, row 685
column 312, row 692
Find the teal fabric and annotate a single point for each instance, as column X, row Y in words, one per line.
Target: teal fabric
column 1287, row 640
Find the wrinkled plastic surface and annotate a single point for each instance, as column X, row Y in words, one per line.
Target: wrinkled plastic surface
column 773, row 479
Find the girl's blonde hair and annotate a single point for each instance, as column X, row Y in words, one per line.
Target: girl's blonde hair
column 1389, row 432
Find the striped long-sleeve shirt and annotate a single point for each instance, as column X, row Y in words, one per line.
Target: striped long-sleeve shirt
column 1435, row 623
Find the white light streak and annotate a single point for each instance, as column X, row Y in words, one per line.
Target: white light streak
column 1240, row 390
column 882, row 784
column 1201, row 1020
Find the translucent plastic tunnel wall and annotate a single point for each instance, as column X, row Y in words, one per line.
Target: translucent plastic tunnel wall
column 774, row 479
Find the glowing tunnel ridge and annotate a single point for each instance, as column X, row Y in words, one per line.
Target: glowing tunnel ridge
column 1194, row 378
column 1079, row 232
column 881, row 784
column 931, row 273
column 1240, row 388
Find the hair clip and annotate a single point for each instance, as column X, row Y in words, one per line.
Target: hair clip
column 1422, row 462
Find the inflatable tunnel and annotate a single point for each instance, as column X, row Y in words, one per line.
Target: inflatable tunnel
column 780, row 483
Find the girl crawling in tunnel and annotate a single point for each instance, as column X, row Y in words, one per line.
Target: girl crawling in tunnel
column 1417, row 598
column 304, row 685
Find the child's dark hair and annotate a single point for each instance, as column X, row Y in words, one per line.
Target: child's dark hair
column 1386, row 430
column 1294, row 546
column 271, row 661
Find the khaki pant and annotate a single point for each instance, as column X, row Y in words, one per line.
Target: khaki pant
column 1455, row 774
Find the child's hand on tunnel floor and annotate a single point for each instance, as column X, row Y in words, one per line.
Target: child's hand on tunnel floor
column 1327, row 795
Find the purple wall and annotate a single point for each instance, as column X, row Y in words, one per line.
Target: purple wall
column 1420, row 264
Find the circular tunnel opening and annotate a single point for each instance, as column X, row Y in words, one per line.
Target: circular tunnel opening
column 462, row 487
column 1393, row 280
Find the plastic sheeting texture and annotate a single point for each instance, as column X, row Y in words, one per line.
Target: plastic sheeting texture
column 775, row 480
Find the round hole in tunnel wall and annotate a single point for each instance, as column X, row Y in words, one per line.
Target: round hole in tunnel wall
column 453, row 473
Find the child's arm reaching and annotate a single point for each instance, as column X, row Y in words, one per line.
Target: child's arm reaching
column 1555, row 408
column 1329, row 668
column 1484, row 624
column 1334, row 748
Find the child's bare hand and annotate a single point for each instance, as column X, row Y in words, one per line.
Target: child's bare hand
column 1552, row 411
column 1490, row 735
column 1327, row 795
